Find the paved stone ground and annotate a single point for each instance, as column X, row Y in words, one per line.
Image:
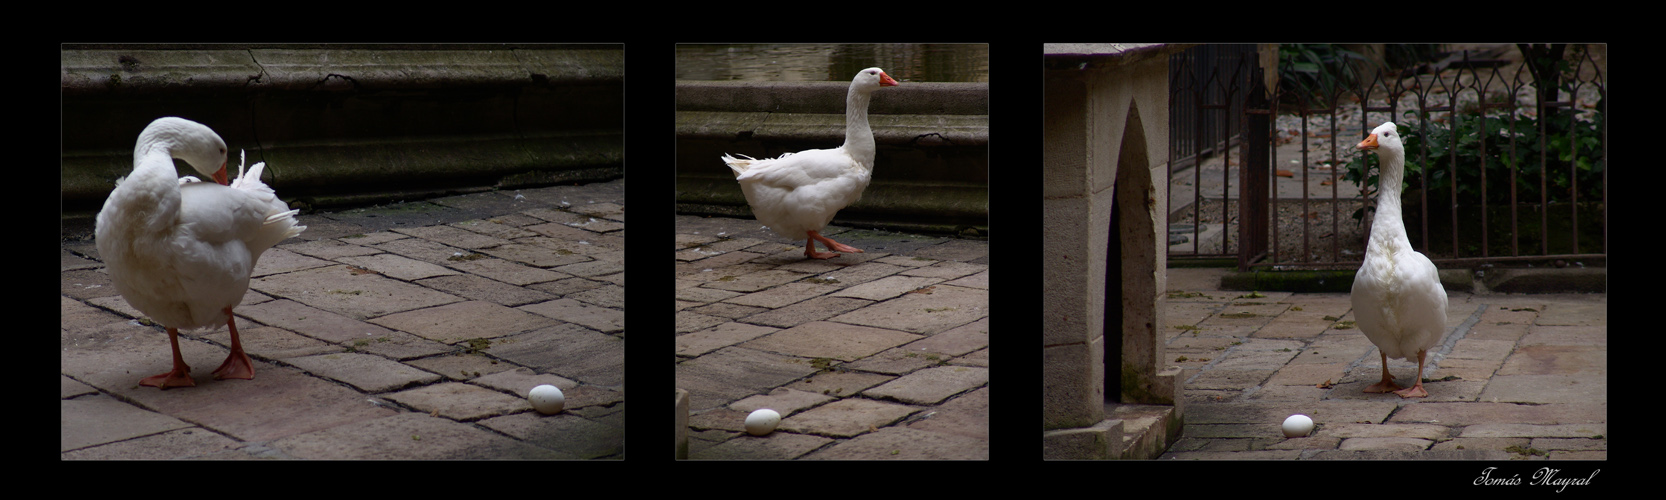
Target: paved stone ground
column 1518, row 377
column 875, row 355
column 409, row 331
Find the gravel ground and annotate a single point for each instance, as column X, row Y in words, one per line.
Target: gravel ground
column 1348, row 235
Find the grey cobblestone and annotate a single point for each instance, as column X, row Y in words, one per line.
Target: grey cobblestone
column 866, row 356
column 406, row 332
column 1522, row 373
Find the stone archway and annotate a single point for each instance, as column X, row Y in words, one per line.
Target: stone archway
column 1106, row 390
column 1135, row 277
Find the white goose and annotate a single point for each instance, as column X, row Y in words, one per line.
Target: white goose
column 180, row 251
column 1398, row 300
column 796, row 195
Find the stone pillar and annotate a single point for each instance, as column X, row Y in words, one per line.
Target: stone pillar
column 1105, row 145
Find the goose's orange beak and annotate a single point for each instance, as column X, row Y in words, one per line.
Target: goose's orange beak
column 1370, row 142
column 220, row 175
column 886, row 80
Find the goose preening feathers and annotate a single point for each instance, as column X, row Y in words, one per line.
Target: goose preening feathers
column 180, row 250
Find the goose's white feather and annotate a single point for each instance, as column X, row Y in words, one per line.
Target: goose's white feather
column 181, row 251
column 1398, row 300
column 801, row 192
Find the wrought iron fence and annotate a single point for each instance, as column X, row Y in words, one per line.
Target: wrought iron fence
column 1484, row 145
column 1208, row 85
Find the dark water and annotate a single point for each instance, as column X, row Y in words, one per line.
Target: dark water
column 833, row 62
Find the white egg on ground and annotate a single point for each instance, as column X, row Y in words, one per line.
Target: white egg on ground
column 762, row 422
column 547, row 399
column 1297, row 425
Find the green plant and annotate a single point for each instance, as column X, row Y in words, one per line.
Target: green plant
column 1430, row 148
column 1313, row 72
column 1572, row 165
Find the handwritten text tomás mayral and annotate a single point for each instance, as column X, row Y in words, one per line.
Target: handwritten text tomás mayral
column 1544, row 476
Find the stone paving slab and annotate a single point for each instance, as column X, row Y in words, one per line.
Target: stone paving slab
column 964, row 416
column 927, row 312
column 585, row 355
column 903, row 443
column 823, row 339
column 1517, row 377
column 367, row 372
column 775, row 446
column 189, row 443
column 874, row 355
column 849, row 417
column 596, row 317
column 409, row 331
column 100, row 419
column 351, row 291
column 461, row 321
column 414, row 436
column 312, row 322
column 732, row 373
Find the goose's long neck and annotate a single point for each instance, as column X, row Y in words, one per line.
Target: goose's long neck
column 155, row 140
column 151, row 192
column 153, row 165
column 153, row 155
column 858, row 137
column 1388, row 223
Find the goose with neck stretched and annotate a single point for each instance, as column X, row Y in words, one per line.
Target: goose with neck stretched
column 180, row 250
column 797, row 194
column 1398, row 300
